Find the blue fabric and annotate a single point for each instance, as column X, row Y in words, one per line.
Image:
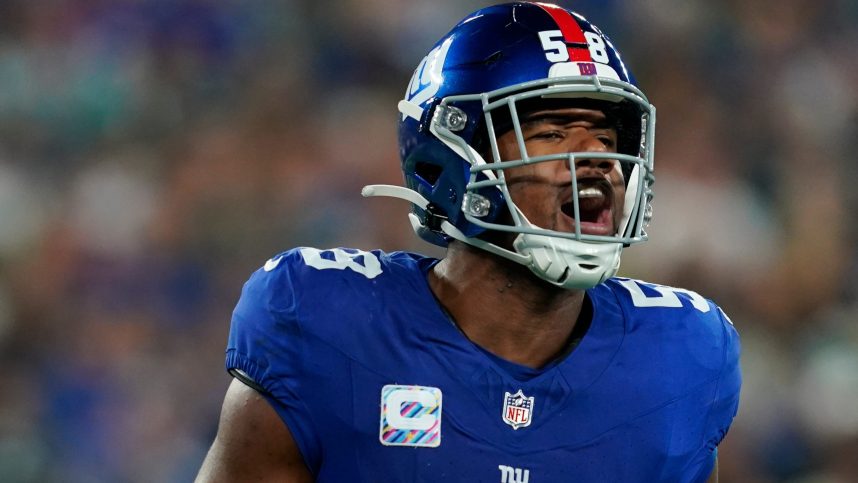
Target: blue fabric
column 646, row 396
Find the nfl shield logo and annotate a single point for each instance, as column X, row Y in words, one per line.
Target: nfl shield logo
column 517, row 409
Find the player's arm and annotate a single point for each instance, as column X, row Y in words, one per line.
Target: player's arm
column 252, row 443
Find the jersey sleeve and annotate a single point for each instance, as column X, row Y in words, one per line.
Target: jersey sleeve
column 266, row 347
column 725, row 402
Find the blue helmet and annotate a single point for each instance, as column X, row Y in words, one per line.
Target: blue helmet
column 471, row 88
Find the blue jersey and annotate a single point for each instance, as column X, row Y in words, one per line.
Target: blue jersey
column 376, row 383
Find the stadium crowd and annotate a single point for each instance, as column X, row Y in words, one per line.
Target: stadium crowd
column 153, row 153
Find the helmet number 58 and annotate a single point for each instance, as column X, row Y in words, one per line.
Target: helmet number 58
column 556, row 50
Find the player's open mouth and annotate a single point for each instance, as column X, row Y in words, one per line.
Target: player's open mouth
column 595, row 201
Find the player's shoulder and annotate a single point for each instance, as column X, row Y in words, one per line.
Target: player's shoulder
column 308, row 270
column 673, row 328
column 338, row 297
column 671, row 311
column 672, row 302
column 341, row 262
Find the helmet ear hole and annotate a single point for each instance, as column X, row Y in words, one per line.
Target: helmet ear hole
column 429, row 172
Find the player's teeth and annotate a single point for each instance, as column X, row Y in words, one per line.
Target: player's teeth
column 589, row 192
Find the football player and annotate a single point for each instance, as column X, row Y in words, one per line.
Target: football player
column 527, row 150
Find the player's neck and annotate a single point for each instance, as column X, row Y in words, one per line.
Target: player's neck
column 504, row 308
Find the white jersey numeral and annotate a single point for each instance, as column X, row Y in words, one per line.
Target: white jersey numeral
column 667, row 296
column 343, row 259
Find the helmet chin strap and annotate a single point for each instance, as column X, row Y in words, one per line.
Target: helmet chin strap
column 570, row 264
column 448, row 228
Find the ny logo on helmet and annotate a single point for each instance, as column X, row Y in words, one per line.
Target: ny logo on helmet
column 427, row 77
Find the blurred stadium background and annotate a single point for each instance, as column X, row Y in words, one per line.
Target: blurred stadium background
column 155, row 152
